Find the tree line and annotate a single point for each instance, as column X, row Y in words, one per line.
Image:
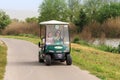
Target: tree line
column 79, row 12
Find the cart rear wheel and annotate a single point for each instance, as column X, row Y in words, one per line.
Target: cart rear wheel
column 68, row 59
column 48, row 60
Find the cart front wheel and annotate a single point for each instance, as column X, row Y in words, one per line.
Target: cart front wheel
column 48, row 60
column 68, row 59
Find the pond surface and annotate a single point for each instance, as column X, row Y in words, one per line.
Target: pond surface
column 108, row 42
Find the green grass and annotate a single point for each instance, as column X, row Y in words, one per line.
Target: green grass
column 33, row 39
column 3, row 60
column 104, row 65
column 100, row 47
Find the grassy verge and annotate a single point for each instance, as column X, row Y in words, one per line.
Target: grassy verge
column 102, row 64
column 102, row 47
column 3, row 59
column 34, row 40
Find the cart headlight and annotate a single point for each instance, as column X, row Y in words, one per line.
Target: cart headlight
column 66, row 50
column 58, row 47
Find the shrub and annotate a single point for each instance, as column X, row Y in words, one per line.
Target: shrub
column 110, row 29
column 119, row 48
column 76, row 39
column 86, row 34
column 83, row 42
column 28, row 35
column 107, row 48
column 17, row 28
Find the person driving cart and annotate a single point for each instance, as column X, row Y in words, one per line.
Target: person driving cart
column 58, row 39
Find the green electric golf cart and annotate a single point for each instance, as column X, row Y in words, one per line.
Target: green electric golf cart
column 55, row 42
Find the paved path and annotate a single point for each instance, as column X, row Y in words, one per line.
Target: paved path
column 23, row 65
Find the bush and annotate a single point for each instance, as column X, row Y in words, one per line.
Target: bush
column 108, row 48
column 18, row 28
column 86, row 34
column 82, row 42
column 105, row 48
column 107, row 11
column 28, row 35
column 110, row 29
column 76, row 39
column 119, row 48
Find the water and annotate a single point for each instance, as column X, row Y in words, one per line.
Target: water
column 108, row 42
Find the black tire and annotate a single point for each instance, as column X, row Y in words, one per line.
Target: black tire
column 48, row 60
column 40, row 60
column 68, row 59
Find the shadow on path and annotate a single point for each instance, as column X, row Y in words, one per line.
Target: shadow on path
column 35, row 63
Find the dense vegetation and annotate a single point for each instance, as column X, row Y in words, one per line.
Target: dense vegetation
column 102, row 47
column 89, row 18
column 3, row 59
column 95, row 15
column 19, row 28
column 4, row 20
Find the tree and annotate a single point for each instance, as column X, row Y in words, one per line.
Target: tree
column 31, row 20
column 14, row 20
column 4, row 20
column 73, row 9
column 92, row 6
column 82, row 20
column 53, row 9
column 108, row 11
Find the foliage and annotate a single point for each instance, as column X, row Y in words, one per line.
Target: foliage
column 119, row 48
column 31, row 20
column 27, row 35
column 83, row 13
column 102, row 64
column 4, row 19
column 81, row 42
column 76, row 39
column 17, row 28
column 53, row 10
column 91, row 7
column 108, row 11
column 107, row 48
column 102, row 47
column 14, row 20
column 3, row 59
column 109, row 29
column 73, row 9
column 85, row 43
column 82, row 20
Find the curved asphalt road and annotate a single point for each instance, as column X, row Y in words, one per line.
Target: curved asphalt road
column 23, row 65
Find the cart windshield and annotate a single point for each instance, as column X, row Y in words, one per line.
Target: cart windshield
column 57, row 35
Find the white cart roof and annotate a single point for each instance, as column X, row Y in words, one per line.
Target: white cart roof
column 53, row 22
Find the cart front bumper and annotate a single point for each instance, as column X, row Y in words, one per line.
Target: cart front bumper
column 59, row 56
